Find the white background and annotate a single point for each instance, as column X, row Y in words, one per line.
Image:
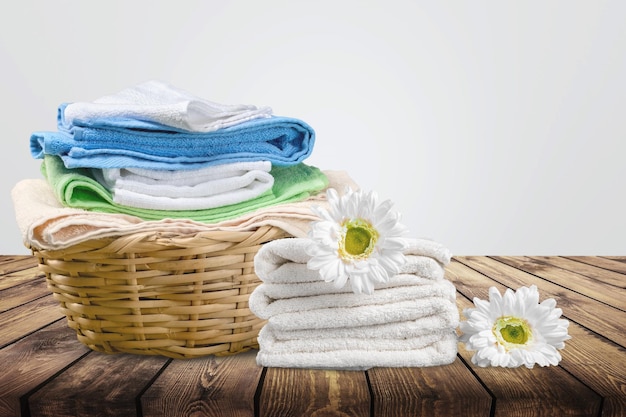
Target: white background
column 496, row 127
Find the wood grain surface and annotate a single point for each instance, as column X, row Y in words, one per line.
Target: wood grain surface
column 46, row 371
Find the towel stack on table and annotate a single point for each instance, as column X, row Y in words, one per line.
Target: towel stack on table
column 156, row 152
column 409, row 321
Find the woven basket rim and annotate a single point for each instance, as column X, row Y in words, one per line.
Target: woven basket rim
column 123, row 243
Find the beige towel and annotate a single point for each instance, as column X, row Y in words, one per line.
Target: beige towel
column 45, row 224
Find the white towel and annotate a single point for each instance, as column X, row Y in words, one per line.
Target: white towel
column 271, row 270
column 210, row 187
column 137, row 178
column 365, row 315
column 44, row 223
column 163, row 103
column 325, row 343
column 427, row 247
column 441, row 352
column 284, row 260
column 408, row 321
column 422, row 289
column 446, row 320
column 319, row 287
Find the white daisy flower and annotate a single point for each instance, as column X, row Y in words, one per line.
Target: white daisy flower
column 357, row 239
column 514, row 329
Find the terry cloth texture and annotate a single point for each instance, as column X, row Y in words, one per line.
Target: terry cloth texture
column 408, row 321
column 281, row 140
column 215, row 186
column 45, row 223
column 77, row 189
column 353, row 354
column 159, row 102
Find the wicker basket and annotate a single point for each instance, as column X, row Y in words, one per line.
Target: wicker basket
column 176, row 296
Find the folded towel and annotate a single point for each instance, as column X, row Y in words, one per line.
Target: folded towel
column 76, row 188
column 46, row 224
column 169, row 182
column 443, row 322
column 281, row 140
column 407, row 321
column 318, row 287
column 352, row 357
column 429, row 248
column 215, row 186
column 363, row 315
column 284, row 260
column 325, row 343
column 162, row 103
column 265, row 307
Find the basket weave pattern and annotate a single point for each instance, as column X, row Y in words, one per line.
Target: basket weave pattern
column 176, row 296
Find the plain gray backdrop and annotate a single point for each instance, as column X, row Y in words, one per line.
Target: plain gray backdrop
column 496, row 127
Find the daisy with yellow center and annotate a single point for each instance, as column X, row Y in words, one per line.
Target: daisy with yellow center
column 358, row 240
column 514, row 329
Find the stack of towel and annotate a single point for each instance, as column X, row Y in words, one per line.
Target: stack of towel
column 155, row 152
column 409, row 321
column 45, row 223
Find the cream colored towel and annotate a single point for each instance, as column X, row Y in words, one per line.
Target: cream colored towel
column 325, row 343
column 44, row 223
column 284, row 260
column 278, row 291
column 266, row 307
column 446, row 320
column 353, row 354
column 365, row 315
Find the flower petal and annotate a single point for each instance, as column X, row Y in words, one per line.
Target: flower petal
column 382, row 259
column 514, row 329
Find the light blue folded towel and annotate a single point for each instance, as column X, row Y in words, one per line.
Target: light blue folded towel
column 131, row 143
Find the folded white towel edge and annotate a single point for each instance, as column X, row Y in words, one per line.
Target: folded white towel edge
column 443, row 352
column 264, row 306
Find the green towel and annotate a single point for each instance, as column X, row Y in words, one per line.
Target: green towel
column 78, row 189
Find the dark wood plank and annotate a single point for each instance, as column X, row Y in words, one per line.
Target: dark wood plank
column 12, row 279
column 17, row 263
column 549, row 391
column 602, row 276
column 589, row 381
column 210, row 386
column 616, row 258
column 598, row 317
column 34, row 359
column 309, row 392
column 27, row 318
column 98, row 385
column 616, row 297
column 609, row 264
column 592, row 359
column 450, row 390
column 600, row 364
column 23, row 293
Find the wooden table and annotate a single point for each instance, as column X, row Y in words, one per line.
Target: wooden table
column 47, row 372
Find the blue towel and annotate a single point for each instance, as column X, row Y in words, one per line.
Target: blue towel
column 131, row 143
